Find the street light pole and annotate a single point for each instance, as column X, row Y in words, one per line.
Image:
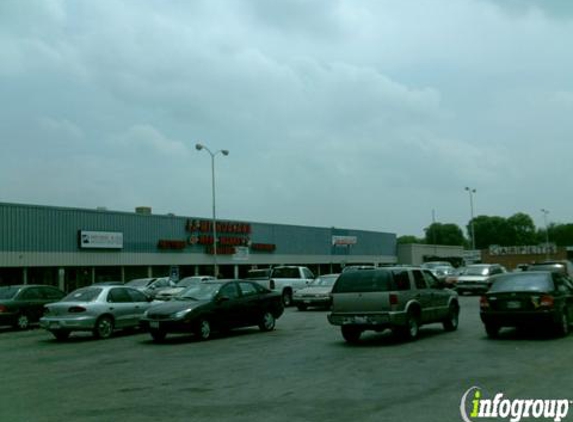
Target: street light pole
column 200, row 147
column 471, row 192
column 545, row 212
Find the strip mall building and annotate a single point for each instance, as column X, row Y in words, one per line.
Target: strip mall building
column 69, row 247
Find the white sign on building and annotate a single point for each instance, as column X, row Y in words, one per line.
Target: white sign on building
column 101, row 240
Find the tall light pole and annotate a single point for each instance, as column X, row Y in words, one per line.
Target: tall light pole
column 545, row 212
column 471, row 191
column 200, row 147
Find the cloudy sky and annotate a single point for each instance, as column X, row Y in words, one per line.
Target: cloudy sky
column 348, row 113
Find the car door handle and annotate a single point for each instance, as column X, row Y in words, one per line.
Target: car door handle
column 111, row 308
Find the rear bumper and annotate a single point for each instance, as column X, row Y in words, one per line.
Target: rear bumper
column 515, row 319
column 374, row 321
column 86, row 323
column 312, row 301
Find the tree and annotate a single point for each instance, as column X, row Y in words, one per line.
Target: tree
column 409, row 239
column 523, row 229
column 560, row 234
column 444, row 234
column 491, row 231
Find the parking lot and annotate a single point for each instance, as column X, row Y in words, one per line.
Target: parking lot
column 301, row 371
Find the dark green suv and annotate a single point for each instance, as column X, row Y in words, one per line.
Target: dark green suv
column 399, row 298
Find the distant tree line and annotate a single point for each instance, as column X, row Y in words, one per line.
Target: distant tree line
column 517, row 230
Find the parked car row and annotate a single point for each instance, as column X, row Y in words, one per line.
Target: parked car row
column 399, row 298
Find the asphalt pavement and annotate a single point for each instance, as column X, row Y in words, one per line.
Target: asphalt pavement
column 301, row 371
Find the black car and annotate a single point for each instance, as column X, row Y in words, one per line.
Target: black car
column 528, row 299
column 21, row 305
column 214, row 305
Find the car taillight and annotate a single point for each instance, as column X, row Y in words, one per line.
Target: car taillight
column 393, row 299
column 272, row 284
column 483, row 302
column 76, row 309
column 3, row 308
column 547, row 301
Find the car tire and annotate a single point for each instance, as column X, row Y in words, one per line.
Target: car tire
column 287, row 298
column 61, row 335
column 411, row 330
column 203, row 329
column 562, row 327
column 452, row 320
column 157, row 335
column 103, row 327
column 22, row 322
column 267, row 322
column 351, row 334
column 492, row 330
column 301, row 307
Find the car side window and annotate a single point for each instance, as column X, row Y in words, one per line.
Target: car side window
column 136, row 295
column 50, row 293
column 31, row 294
column 307, row 273
column 431, row 280
column 118, row 295
column 230, row 291
column 559, row 282
column 401, row 280
column 248, row 289
column 419, row 279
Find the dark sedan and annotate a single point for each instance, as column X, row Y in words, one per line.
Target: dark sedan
column 528, row 299
column 214, row 305
column 22, row 305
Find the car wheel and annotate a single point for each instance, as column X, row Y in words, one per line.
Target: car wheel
column 351, row 334
column 287, row 298
column 562, row 327
column 103, row 327
column 203, row 330
column 267, row 322
column 22, row 322
column 492, row 330
column 61, row 335
column 301, row 307
column 412, row 328
column 452, row 320
column 158, row 335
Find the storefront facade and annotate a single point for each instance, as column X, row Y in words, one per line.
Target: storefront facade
column 70, row 247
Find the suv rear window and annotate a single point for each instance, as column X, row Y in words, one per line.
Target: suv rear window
column 364, row 281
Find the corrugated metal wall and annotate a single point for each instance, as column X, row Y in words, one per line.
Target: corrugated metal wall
column 30, row 228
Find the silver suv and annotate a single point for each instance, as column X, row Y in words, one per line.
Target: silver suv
column 476, row 278
column 399, row 298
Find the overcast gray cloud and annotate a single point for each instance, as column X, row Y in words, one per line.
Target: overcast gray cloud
column 359, row 114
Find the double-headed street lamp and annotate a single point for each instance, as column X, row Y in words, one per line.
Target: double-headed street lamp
column 200, row 147
column 545, row 212
column 471, row 192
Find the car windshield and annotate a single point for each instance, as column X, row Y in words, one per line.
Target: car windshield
column 478, row 270
column 435, row 264
column 257, row 274
column 556, row 267
column 189, row 281
column 8, row 292
column 199, row 292
column 363, row 281
column 324, row 280
column 140, row 282
column 86, row 294
column 522, row 282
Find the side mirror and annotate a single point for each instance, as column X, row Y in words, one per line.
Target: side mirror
column 221, row 299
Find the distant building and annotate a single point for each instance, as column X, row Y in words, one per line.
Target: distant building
column 71, row 247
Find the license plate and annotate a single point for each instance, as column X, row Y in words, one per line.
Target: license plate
column 54, row 325
column 356, row 320
column 513, row 305
column 307, row 301
column 153, row 324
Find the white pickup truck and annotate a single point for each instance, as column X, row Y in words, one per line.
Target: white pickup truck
column 287, row 280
